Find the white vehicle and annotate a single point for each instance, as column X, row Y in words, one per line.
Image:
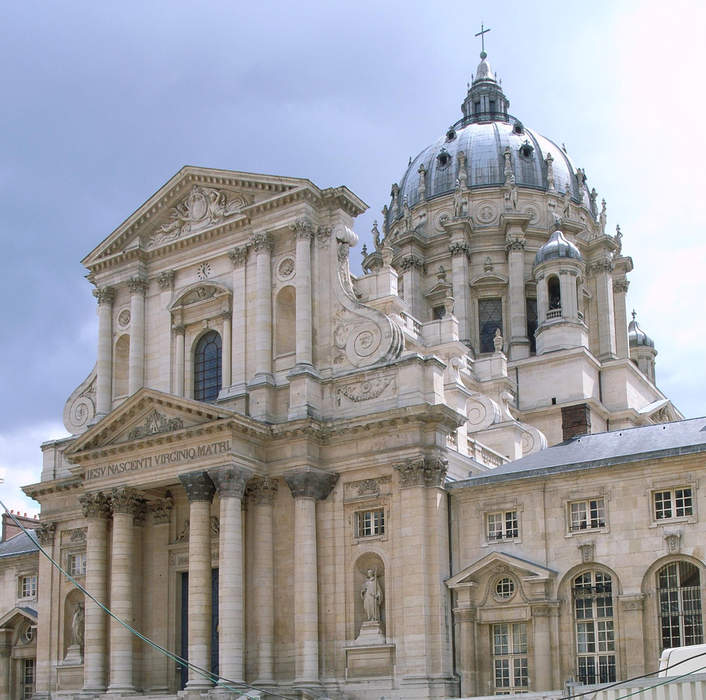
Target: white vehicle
column 687, row 659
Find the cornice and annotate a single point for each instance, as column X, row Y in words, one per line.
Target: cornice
column 67, row 483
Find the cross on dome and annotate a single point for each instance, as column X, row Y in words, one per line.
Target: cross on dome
column 483, row 31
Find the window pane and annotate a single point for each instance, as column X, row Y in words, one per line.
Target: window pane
column 490, row 318
column 207, row 367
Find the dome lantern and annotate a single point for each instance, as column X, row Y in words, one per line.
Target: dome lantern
column 642, row 348
column 485, row 100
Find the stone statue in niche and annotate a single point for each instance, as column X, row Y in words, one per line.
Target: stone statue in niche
column 498, row 340
column 371, row 593
column 77, row 625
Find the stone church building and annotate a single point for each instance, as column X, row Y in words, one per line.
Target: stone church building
column 452, row 475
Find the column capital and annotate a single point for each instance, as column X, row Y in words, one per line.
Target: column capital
column 45, row 533
column 104, row 295
column 262, row 242
column 620, row 286
column 460, row 248
column 126, row 500
column 198, row 486
column 262, row 490
column 166, row 280
column 161, row 509
column 422, row 471
column 239, row 255
column 230, row 480
column 599, row 266
column 410, row 261
column 95, row 505
column 303, row 229
column 311, row 483
column 137, row 285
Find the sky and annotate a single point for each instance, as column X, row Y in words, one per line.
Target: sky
column 104, row 102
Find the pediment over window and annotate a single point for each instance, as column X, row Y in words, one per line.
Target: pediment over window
column 497, row 562
column 200, row 302
column 18, row 614
column 488, row 279
column 147, row 414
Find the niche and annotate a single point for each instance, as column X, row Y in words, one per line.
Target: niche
column 74, row 620
column 370, row 601
column 285, row 321
column 121, row 360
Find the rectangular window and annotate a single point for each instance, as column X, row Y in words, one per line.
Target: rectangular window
column 503, row 525
column 370, row 523
column 672, row 503
column 490, row 319
column 510, row 658
column 27, row 587
column 77, row 564
column 587, row 515
column 27, row 678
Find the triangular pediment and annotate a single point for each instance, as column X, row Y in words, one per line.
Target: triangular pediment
column 196, row 200
column 11, row 617
column 147, row 414
column 522, row 568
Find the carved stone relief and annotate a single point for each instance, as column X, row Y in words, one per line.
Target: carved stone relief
column 365, row 390
column 155, row 423
column 201, row 208
column 367, row 488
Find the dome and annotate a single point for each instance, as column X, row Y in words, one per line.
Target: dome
column 483, row 134
column 637, row 336
column 557, row 247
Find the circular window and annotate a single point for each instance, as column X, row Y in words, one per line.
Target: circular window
column 27, row 633
column 505, row 588
column 444, row 158
column 451, row 134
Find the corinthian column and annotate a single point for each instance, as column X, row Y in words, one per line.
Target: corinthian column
column 460, row 253
column 307, row 487
column 262, row 492
column 519, row 342
column 46, row 623
column 424, row 548
column 262, row 244
column 96, row 508
column 230, row 483
column 304, row 233
column 125, row 503
column 602, row 269
column 104, row 363
column 239, row 256
column 199, row 489
column 136, row 364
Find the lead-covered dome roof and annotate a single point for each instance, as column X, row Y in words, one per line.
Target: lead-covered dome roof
column 557, row 247
column 483, row 133
column 636, row 336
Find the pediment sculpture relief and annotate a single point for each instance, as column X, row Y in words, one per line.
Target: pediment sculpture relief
column 155, row 423
column 201, row 208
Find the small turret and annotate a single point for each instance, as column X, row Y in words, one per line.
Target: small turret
column 558, row 271
column 642, row 348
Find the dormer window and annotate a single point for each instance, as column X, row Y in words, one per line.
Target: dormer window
column 444, row 158
column 526, row 149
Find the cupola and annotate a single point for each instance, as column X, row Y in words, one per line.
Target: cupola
column 559, row 271
column 485, row 100
column 642, row 348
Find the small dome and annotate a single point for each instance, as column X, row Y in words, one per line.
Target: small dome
column 557, row 247
column 637, row 336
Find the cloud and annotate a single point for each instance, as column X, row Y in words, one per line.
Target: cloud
column 21, row 462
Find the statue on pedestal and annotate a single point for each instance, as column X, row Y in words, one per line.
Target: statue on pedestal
column 371, row 593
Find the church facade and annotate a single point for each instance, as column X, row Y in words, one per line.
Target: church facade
column 307, row 482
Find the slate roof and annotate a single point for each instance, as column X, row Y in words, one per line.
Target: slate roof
column 21, row 543
column 603, row 449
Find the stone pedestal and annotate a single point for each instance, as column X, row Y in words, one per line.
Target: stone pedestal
column 370, row 634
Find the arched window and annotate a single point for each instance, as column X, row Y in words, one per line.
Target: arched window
column 595, row 635
column 207, row 367
column 554, row 292
column 681, row 623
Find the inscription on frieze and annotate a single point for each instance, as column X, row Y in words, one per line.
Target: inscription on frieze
column 179, row 456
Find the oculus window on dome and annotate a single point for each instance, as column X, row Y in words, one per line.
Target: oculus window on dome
column 208, row 367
